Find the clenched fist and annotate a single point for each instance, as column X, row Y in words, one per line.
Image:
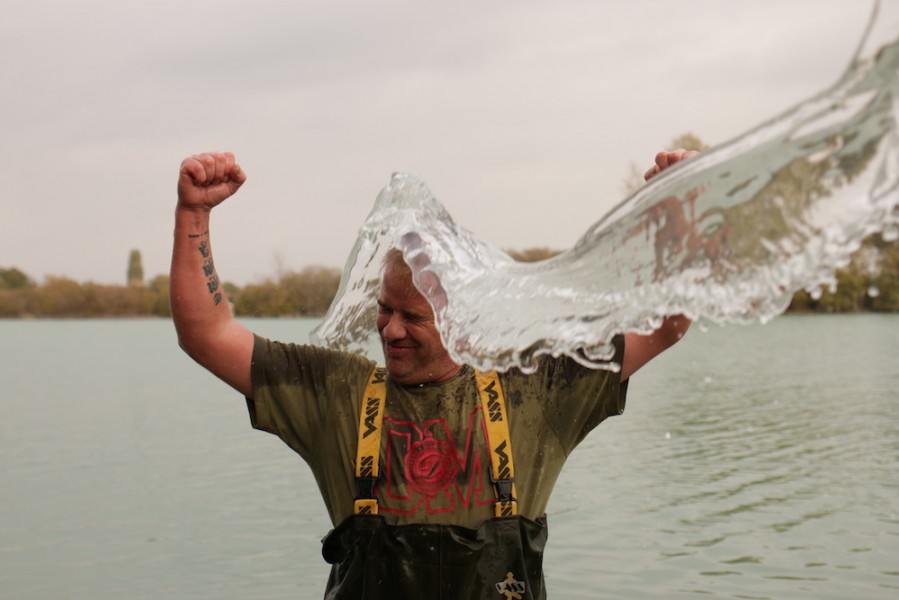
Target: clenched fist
column 207, row 179
column 666, row 159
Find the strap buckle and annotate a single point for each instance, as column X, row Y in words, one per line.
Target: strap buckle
column 366, row 503
column 504, row 489
column 366, row 487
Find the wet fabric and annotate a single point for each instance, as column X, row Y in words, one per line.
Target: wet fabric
column 500, row 560
column 435, row 534
column 435, row 463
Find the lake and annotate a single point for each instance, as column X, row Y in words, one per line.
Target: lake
column 752, row 462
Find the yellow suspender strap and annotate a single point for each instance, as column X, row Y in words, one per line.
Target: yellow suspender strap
column 502, row 471
column 368, row 449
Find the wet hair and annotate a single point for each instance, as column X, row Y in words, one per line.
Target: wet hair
column 393, row 259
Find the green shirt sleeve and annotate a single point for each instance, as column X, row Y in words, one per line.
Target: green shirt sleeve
column 577, row 398
column 297, row 387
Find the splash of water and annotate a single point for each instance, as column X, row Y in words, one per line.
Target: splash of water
column 727, row 236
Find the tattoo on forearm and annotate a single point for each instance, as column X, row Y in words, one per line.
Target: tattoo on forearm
column 212, row 280
column 213, row 286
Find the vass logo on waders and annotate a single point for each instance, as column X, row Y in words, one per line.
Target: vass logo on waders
column 511, row 588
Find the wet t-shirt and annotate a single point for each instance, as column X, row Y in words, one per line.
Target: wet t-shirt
column 435, row 466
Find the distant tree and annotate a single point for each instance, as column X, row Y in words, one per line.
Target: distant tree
column 870, row 282
column 319, row 288
column 112, row 300
column 881, row 264
column 300, row 294
column 688, row 141
column 155, row 297
column 14, row 279
column 532, row 254
column 60, row 297
column 16, row 291
column 289, row 297
column 231, row 289
column 257, row 300
column 14, row 303
column 135, row 270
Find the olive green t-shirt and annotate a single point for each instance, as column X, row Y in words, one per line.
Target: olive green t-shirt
column 434, row 461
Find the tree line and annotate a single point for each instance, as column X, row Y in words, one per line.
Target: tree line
column 869, row 283
column 306, row 293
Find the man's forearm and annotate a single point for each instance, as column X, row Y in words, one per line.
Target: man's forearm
column 199, row 307
column 639, row 349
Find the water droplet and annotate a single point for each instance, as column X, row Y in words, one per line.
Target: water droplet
column 873, row 292
column 707, row 379
column 668, row 435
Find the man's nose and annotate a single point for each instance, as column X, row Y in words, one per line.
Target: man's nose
column 395, row 328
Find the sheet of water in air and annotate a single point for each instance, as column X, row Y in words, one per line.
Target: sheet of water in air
column 728, row 235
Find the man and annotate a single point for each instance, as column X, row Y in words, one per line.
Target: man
column 436, row 477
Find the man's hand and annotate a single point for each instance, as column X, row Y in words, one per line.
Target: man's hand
column 206, row 180
column 666, row 159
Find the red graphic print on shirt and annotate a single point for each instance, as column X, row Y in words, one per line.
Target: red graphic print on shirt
column 428, row 468
column 430, row 465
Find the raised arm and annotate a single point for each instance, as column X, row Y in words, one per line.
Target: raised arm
column 207, row 331
column 640, row 349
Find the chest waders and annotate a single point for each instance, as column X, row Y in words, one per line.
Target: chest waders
column 500, row 560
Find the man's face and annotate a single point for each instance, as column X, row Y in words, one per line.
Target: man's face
column 411, row 343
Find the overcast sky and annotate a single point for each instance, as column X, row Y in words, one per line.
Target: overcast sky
column 523, row 117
